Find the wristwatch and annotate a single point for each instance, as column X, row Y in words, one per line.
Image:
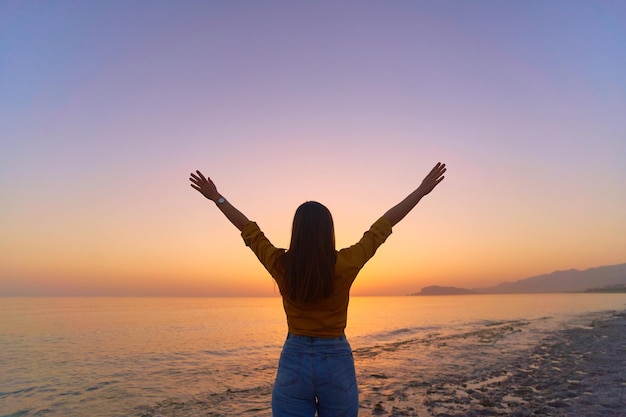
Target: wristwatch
column 220, row 200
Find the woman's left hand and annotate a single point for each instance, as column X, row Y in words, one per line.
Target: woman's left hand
column 204, row 185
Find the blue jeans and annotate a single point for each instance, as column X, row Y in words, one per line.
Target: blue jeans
column 315, row 374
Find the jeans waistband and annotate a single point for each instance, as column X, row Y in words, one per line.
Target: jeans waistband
column 316, row 339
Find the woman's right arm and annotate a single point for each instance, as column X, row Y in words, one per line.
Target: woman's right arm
column 400, row 210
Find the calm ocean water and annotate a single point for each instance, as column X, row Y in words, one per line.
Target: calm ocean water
column 218, row 356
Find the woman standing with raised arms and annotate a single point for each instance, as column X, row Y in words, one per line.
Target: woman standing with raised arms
column 316, row 367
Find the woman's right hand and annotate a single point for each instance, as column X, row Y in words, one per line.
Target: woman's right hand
column 434, row 177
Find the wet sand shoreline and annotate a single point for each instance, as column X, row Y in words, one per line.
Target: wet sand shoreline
column 579, row 371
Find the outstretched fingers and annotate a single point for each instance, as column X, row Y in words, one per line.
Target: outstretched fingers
column 434, row 177
column 200, row 175
column 198, row 179
column 204, row 185
column 436, row 174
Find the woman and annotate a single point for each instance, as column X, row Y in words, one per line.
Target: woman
column 316, row 367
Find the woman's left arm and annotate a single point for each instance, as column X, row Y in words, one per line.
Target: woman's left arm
column 207, row 188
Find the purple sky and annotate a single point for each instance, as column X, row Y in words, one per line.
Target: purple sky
column 105, row 108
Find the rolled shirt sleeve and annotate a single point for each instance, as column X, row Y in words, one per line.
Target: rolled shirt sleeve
column 353, row 258
column 267, row 253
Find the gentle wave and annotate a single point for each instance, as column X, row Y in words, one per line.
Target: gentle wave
column 391, row 335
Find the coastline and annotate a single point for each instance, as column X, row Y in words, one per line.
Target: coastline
column 450, row 356
column 573, row 372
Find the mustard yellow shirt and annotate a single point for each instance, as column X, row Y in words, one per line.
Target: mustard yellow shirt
column 326, row 317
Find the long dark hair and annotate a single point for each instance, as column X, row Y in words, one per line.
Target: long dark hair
column 310, row 260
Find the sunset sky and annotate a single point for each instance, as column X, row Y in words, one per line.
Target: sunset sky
column 106, row 107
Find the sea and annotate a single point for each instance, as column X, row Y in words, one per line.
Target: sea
column 158, row 357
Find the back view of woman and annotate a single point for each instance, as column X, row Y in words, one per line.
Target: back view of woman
column 316, row 368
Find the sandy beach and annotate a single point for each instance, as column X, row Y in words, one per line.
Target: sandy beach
column 580, row 371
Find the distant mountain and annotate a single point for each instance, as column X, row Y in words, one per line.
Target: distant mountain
column 601, row 279
column 572, row 280
column 619, row 288
column 437, row 290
